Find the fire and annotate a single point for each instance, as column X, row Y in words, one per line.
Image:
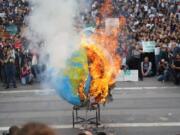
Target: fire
column 100, row 72
column 104, row 61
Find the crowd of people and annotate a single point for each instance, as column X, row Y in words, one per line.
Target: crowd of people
column 146, row 20
column 19, row 64
column 12, row 53
column 17, row 61
column 156, row 21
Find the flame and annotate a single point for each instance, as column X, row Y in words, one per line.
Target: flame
column 100, row 72
column 81, row 91
column 104, row 61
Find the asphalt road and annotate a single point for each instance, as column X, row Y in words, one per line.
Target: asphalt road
column 138, row 108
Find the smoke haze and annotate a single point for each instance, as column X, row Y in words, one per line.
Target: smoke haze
column 52, row 22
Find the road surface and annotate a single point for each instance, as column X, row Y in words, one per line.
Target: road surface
column 138, row 108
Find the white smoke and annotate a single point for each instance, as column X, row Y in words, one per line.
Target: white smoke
column 52, row 21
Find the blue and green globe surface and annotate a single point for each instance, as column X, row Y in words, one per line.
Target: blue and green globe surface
column 67, row 80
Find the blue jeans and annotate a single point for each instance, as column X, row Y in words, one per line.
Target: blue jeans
column 35, row 69
column 164, row 76
column 3, row 75
column 157, row 60
column 10, row 70
column 26, row 79
column 175, row 75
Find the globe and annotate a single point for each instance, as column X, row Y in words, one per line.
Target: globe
column 67, row 82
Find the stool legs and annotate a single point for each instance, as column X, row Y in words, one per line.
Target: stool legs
column 73, row 117
column 76, row 119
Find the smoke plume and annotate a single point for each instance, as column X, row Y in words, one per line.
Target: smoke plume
column 52, row 22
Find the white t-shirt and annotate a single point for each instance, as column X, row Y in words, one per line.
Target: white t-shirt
column 2, row 15
column 34, row 60
column 157, row 51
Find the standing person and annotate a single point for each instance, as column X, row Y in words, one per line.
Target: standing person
column 136, row 55
column 18, row 63
column 164, row 53
column 10, row 68
column 35, row 68
column 176, row 69
column 157, row 57
column 1, row 64
column 3, row 72
column 175, row 49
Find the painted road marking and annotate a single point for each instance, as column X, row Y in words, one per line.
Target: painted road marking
column 124, row 125
column 118, row 88
column 28, row 91
column 115, row 125
column 145, row 88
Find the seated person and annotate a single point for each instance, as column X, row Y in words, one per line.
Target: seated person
column 176, row 69
column 163, row 74
column 26, row 76
column 146, row 67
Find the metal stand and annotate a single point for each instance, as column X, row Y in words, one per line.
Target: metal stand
column 76, row 119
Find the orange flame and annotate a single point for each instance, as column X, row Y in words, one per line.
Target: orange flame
column 104, row 62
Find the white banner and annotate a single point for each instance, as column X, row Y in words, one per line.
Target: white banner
column 148, row 46
column 128, row 75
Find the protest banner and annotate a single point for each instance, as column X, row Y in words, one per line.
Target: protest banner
column 12, row 29
column 128, row 75
column 148, row 46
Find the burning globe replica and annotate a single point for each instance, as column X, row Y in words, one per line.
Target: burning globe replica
column 67, row 83
column 91, row 71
